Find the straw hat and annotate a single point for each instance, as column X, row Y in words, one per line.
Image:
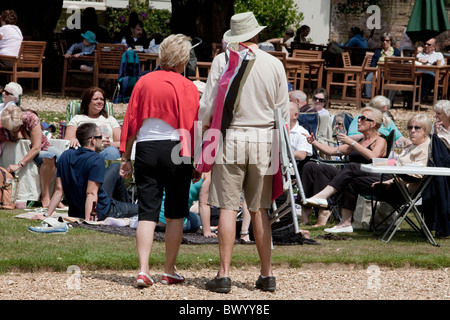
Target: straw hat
column 11, row 117
column 243, row 26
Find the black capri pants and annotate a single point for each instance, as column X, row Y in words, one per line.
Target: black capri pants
column 352, row 181
column 155, row 172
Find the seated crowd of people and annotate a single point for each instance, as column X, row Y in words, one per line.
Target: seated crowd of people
column 154, row 147
column 103, row 137
column 363, row 140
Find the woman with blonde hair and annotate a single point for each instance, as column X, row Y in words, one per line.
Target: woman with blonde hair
column 160, row 119
column 315, row 176
column 18, row 123
column 383, row 104
column 352, row 181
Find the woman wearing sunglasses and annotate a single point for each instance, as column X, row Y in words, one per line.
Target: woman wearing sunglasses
column 316, row 176
column 352, row 181
column 11, row 95
column 387, row 49
column 319, row 99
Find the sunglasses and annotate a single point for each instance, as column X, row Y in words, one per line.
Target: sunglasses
column 319, row 99
column 417, row 128
column 386, row 40
column 428, row 44
column 6, row 92
column 339, row 123
column 364, row 118
column 97, row 137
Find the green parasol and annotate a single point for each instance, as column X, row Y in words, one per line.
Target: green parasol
column 428, row 19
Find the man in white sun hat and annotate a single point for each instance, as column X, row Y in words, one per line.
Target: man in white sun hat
column 265, row 89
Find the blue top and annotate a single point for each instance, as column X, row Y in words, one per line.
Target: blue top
column 75, row 168
column 357, row 41
column 194, row 192
column 353, row 129
column 84, row 50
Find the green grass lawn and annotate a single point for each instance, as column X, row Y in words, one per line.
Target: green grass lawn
column 21, row 250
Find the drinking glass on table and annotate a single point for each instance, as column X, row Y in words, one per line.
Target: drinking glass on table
column 398, row 148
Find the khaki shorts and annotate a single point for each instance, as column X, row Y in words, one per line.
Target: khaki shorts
column 244, row 166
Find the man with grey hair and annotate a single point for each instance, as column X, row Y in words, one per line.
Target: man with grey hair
column 300, row 98
column 264, row 91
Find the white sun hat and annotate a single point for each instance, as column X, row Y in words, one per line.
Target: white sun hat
column 243, row 26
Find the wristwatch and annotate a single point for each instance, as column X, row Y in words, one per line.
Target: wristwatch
column 353, row 144
column 20, row 164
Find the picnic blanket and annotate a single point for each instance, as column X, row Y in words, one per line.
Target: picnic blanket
column 280, row 236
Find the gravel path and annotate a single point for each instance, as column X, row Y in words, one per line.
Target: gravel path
column 313, row 282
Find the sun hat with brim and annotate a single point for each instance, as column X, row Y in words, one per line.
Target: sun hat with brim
column 48, row 127
column 89, row 36
column 11, row 118
column 243, row 26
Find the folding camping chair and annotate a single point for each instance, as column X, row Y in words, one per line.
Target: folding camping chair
column 288, row 168
column 129, row 74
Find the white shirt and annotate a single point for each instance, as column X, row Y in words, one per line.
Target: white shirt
column 156, row 129
column 432, row 57
column 298, row 140
column 11, row 40
column 106, row 125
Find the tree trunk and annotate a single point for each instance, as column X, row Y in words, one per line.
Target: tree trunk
column 205, row 19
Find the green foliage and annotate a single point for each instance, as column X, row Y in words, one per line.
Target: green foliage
column 154, row 20
column 277, row 15
column 355, row 7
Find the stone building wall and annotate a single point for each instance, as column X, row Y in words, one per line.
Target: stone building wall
column 394, row 19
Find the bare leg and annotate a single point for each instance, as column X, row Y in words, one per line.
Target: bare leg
column 144, row 241
column 46, row 172
column 323, row 217
column 346, row 218
column 173, row 237
column 306, row 212
column 226, row 236
column 327, row 192
column 58, row 185
column 246, row 218
column 263, row 239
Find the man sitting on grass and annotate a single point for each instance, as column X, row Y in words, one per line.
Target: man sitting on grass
column 85, row 181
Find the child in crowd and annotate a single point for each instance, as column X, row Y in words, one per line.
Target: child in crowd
column 85, row 48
